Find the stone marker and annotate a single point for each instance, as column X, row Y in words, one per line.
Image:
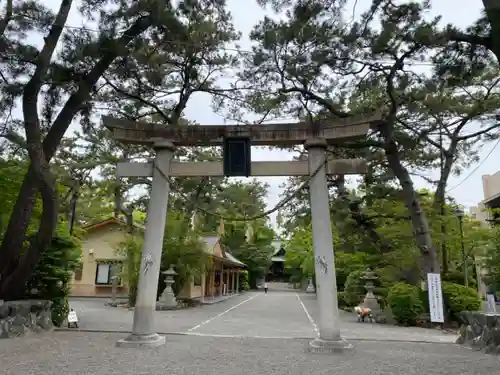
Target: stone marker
column 114, row 286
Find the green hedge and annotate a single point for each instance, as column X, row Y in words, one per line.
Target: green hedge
column 457, row 277
column 458, row 298
column 341, row 300
column 52, row 275
column 405, row 303
column 244, row 281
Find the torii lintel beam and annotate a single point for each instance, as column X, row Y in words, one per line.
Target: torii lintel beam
column 284, row 134
column 259, row 168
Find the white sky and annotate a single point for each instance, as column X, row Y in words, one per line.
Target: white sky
column 247, row 13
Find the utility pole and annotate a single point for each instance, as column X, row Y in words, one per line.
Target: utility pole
column 460, row 216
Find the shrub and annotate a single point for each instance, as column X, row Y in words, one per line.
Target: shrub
column 244, row 285
column 296, row 277
column 347, row 262
column 457, row 277
column 354, row 290
column 424, row 299
column 131, row 247
column 458, row 298
column 405, row 304
column 52, row 275
column 341, row 300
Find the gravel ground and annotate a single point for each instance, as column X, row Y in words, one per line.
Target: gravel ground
column 68, row 353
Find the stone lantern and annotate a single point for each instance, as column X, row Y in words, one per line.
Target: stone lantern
column 370, row 300
column 167, row 299
column 310, row 286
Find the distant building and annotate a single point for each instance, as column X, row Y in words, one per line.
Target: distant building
column 277, row 270
column 482, row 213
column 100, row 256
column 491, row 200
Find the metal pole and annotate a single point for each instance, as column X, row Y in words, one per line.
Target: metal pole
column 464, row 258
column 74, row 200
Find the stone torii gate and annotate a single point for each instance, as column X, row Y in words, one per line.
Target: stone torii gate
column 165, row 138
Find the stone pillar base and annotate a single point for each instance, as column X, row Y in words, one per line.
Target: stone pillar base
column 166, row 306
column 326, row 346
column 141, row 341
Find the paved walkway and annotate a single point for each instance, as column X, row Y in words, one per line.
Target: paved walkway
column 261, row 315
column 257, row 315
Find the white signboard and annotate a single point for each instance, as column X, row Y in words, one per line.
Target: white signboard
column 435, row 297
column 492, row 306
column 72, row 318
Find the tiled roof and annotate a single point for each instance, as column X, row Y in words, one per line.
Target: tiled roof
column 233, row 259
column 211, row 241
column 277, row 246
column 109, row 221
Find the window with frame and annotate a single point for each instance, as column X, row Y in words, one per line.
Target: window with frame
column 197, row 280
column 105, row 272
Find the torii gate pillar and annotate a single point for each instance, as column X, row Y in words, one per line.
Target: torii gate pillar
column 143, row 331
column 329, row 339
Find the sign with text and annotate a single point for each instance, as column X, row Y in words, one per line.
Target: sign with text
column 435, row 297
column 492, row 306
column 72, row 318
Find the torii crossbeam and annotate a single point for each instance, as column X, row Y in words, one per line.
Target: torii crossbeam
column 288, row 134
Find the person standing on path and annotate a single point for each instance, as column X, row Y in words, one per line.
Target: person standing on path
column 265, row 288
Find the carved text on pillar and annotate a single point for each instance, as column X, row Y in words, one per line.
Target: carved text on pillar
column 321, row 261
column 148, row 262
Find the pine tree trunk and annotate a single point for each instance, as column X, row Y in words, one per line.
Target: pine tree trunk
column 492, row 10
column 14, row 278
column 14, row 270
column 420, row 225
